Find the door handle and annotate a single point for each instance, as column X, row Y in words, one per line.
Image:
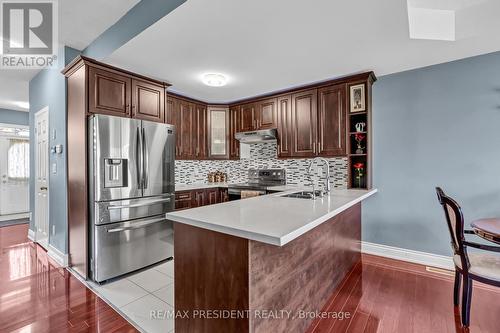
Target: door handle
column 138, row 226
column 43, row 188
column 139, row 160
column 148, row 203
column 146, row 159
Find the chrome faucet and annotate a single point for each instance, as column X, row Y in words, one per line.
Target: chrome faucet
column 327, row 181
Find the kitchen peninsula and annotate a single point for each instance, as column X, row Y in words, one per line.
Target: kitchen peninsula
column 265, row 253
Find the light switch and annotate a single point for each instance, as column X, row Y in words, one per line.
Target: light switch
column 53, row 134
column 54, row 168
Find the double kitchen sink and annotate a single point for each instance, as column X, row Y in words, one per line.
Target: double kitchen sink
column 305, row 194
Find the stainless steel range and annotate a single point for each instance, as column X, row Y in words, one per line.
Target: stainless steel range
column 260, row 182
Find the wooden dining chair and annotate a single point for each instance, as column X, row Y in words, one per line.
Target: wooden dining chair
column 482, row 266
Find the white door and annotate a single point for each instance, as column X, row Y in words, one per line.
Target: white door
column 14, row 174
column 42, row 176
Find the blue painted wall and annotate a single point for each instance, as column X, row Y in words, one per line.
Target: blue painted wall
column 434, row 126
column 48, row 88
column 14, row 117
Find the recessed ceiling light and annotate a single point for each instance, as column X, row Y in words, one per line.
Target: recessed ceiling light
column 23, row 105
column 214, row 80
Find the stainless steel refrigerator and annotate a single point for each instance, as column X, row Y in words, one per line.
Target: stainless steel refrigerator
column 131, row 179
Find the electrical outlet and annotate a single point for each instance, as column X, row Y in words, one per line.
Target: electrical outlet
column 54, row 168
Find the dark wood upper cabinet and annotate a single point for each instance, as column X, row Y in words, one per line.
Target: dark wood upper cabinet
column 234, row 122
column 266, row 115
column 174, row 118
column 284, row 115
column 169, row 109
column 218, row 132
column 186, row 130
column 304, row 123
column 247, row 117
column 200, row 131
column 148, row 101
column 109, row 93
column 332, row 121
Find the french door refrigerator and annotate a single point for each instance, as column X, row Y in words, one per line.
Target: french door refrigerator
column 131, row 186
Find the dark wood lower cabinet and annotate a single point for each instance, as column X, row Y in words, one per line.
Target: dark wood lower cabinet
column 213, row 196
column 200, row 197
column 183, row 200
column 224, row 195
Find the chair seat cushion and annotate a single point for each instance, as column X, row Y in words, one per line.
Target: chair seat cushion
column 482, row 264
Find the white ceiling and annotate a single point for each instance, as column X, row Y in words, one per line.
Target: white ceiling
column 80, row 22
column 263, row 45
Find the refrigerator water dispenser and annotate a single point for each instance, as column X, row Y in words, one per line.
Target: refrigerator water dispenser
column 115, row 172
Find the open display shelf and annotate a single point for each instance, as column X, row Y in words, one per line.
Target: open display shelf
column 360, row 154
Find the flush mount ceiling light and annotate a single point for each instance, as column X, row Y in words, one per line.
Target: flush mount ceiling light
column 214, row 80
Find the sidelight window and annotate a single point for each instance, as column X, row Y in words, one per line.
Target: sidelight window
column 18, row 159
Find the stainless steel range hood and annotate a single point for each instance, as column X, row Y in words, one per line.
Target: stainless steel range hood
column 257, row 136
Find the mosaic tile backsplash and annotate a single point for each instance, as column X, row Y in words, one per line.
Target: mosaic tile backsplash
column 262, row 156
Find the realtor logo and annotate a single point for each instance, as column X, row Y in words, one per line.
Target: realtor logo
column 29, row 34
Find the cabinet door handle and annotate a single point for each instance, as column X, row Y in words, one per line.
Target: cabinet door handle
column 314, row 148
column 319, row 147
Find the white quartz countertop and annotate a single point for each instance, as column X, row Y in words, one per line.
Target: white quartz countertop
column 198, row 186
column 270, row 219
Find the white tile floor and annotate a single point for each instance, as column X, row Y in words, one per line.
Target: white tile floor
column 136, row 295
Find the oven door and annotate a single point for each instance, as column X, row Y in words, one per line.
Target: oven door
column 239, row 193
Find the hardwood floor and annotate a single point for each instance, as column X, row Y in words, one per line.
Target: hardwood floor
column 36, row 295
column 381, row 295
column 385, row 295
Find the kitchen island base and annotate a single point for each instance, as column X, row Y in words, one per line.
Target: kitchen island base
column 267, row 288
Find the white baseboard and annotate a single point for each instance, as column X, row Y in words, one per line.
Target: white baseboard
column 417, row 257
column 14, row 216
column 59, row 257
column 31, row 235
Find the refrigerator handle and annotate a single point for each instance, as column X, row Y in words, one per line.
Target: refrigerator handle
column 145, row 157
column 139, row 159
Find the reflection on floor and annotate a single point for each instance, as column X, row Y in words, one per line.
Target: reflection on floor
column 391, row 296
column 38, row 296
column 381, row 295
column 137, row 295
